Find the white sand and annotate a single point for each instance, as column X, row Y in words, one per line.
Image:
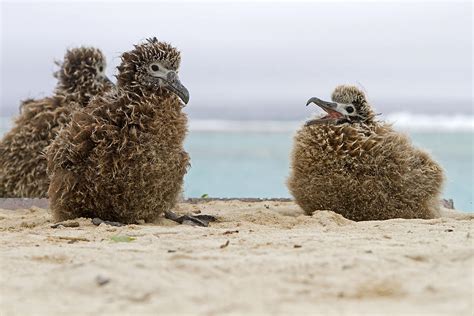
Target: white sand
column 277, row 262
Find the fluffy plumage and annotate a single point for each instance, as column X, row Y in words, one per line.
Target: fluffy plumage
column 360, row 167
column 122, row 157
column 22, row 161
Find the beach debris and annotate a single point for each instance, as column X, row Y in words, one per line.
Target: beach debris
column 72, row 239
column 225, row 245
column 229, row 232
column 204, row 196
column 171, row 251
column 101, row 280
column 297, row 246
column 122, row 238
column 267, row 206
column 97, row 221
column 193, row 220
column 419, row 258
column 65, row 224
column 449, row 230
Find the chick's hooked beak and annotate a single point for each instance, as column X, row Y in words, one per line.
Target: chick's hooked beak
column 333, row 110
column 173, row 84
column 323, row 104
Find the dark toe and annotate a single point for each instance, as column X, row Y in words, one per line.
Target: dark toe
column 97, row 221
column 193, row 220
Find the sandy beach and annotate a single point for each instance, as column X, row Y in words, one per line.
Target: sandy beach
column 260, row 258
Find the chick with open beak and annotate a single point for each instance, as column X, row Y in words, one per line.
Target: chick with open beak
column 348, row 105
column 335, row 112
column 339, row 112
column 347, row 162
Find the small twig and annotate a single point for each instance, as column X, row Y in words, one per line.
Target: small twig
column 65, row 224
column 229, row 232
column 72, row 238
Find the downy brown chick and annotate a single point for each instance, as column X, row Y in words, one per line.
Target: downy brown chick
column 122, row 158
column 22, row 162
column 348, row 162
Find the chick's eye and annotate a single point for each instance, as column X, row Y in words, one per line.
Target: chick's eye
column 101, row 68
column 155, row 68
column 350, row 109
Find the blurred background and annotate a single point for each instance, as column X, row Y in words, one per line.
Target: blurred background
column 251, row 66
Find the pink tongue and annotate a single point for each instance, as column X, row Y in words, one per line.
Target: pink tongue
column 333, row 115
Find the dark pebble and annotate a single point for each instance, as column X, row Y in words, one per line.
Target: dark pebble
column 97, row 221
column 101, row 280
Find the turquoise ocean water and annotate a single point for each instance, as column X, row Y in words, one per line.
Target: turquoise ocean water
column 234, row 159
column 256, row 164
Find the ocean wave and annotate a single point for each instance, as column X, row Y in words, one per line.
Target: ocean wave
column 438, row 122
column 402, row 121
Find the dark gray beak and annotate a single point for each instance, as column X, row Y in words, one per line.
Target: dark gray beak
column 331, row 108
column 323, row 104
column 173, row 84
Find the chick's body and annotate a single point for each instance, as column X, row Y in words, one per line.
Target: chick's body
column 22, row 165
column 120, row 159
column 22, row 161
column 123, row 163
column 363, row 171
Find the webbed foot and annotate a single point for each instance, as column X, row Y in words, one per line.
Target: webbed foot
column 193, row 220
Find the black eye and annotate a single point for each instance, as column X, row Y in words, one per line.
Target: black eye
column 101, row 68
column 350, row 109
column 155, row 68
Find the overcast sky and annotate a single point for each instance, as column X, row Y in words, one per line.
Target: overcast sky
column 258, row 58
